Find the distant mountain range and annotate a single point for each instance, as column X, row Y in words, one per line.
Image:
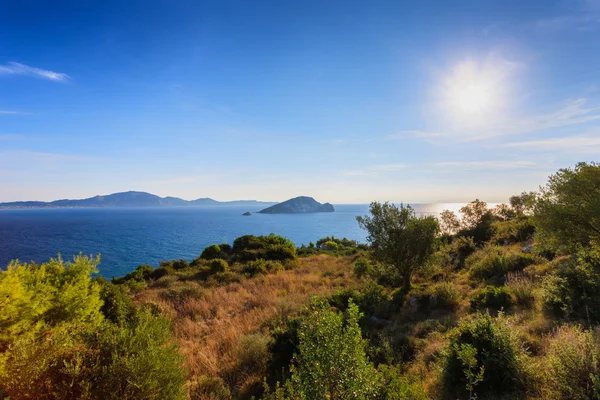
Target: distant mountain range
column 131, row 199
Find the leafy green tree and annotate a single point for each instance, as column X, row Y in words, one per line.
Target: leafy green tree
column 400, row 238
column 449, row 222
column 211, row 252
column 522, row 204
column 331, row 362
column 567, row 211
column 474, row 213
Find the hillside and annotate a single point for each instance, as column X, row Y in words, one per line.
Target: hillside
column 297, row 205
column 129, row 199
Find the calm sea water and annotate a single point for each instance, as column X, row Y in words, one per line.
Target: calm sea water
column 126, row 238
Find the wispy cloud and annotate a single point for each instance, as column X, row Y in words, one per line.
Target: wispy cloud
column 15, row 68
column 10, row 112
column 485, row 165
column 573, row 144
column 569, row 113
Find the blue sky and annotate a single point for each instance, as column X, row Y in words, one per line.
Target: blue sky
column 346, row 101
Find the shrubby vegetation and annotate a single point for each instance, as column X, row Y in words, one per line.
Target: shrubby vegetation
column 497, row 303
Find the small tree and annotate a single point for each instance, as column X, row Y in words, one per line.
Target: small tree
column 400, row 238
column 449, row 222
column 331, row 362
column 567, row 211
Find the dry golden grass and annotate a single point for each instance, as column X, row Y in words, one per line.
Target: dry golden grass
column 210, row 323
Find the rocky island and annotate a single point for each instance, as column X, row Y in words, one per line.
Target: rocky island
column 297, row 205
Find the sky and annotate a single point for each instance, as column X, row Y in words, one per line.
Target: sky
column 346, row 101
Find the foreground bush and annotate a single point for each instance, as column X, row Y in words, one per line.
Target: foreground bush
column 484, row 346
column 445, row 295
column 492, row 297
column 496, row 261
column 331, row 362
column 56, row 345
column 574, row 362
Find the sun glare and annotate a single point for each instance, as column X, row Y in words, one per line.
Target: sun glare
column 472, row 92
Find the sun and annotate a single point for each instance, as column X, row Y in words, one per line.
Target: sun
column 471, row 91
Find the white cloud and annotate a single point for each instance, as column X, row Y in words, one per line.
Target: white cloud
column 14, row 68
column 569, row 113
column 485, row 165
column 573, row 144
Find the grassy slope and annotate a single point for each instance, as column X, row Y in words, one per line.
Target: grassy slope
column 211, row 322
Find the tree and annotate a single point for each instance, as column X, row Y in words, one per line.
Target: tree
column 449, row 222
column 567, row 211
column 400, row 238
column 504, row 211
column 474, row 213
column 331, row 362
column 522, row 204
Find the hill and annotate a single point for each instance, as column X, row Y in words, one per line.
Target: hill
column 301, row 204
column 128, row 199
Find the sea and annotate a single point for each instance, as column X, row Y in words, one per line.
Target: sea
column 128, row 237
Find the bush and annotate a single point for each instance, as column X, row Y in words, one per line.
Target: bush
column 512, row 231
column 140, row 274
column 522, row 287
column 209, row 388
column 445, row 295
column 218, row 265
column 362, row 267
column 494, row 350
column 211, row 252
column 117, row 306
column 453, row 255
column 574, row 291
column 331, row 361
column 253, row 351
column 496, row 298
column 271, row 247
column 398, row 386
column 496, row 261
column 331, row 246
column 573, row 358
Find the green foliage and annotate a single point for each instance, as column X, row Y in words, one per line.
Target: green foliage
column 362, row 268
column 522, row 204
column 574, row 361
column 36, row 298
column 271, row 247
column 254, row 351
column 398, row 386
column 513, row 231
column 496, row 354
column 449, row 223
column 206, row 387
column 340, row 242
column 61, row 348
column 140, row 274
column 452, row 255
column 491, row 261
column 400, row 239
column 493, row 297
column 218, row 265
column 331, row 362
column 522, row 288
column 211, row 252
column 445, row 295
column 117, row 306
column 574, row 291
column 567, row 211
column 331, row 245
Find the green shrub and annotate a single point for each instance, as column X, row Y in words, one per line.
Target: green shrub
column 512, row 231
column 331, row 361
column 445, row 295
column 494, row 350
column 140, row 274
column 522, row 287
column 117, row 306
column 362, row 267
column 271, row 247
column 495, row 261
column 253, row 353
column 574, row 291
column 218, row 265
column 452, row 255
column 398, row 386
column 256, row 267
column 211, row 252
column 493, row 297
column 210, row 388
column 574, row 361
column 331, row 246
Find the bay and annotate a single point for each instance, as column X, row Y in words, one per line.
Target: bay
column 127, row 237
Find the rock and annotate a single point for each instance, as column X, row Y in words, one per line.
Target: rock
column 247, row 213
column 297, row 205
